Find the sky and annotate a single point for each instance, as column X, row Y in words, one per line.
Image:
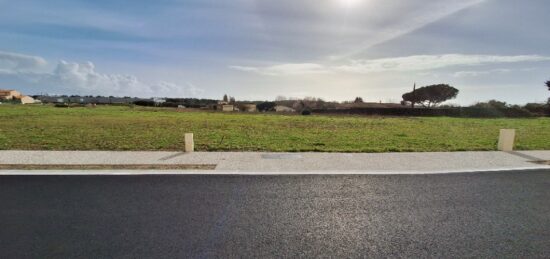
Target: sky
column 260, row 49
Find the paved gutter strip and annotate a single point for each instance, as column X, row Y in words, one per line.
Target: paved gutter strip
column 260, row 173
column 526, row 156
column 107, row 167
column 262, row 163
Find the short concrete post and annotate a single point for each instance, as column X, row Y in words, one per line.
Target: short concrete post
column 189, row 144
column 506, row 139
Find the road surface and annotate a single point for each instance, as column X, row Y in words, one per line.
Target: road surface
column 504, row 214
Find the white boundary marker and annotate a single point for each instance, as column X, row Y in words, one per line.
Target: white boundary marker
column 189, row 143
column 506, row 140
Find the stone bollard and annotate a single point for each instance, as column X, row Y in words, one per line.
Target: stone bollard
column 189, row 144
column 506, row 139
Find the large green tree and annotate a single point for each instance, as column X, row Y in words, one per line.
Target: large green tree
column 432, row 95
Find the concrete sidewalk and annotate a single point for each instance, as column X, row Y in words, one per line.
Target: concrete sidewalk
column 257, row 162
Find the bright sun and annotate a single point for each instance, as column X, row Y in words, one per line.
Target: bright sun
column 350, row 3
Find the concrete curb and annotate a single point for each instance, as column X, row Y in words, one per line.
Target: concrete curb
column 244, row 173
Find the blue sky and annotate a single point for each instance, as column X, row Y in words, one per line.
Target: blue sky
column 259, row 49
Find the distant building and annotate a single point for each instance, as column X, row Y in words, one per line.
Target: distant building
column 26, row 99
column 225, row 107
column 9, row 94
column 88, row 99
column 159, row 100
column 15, row 95
column 249, row 108
column 280, row 108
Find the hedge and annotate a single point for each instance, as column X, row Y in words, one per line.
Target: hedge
column 449, row 112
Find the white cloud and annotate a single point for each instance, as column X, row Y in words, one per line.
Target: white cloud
column 481, row 72
column 399, row 64
column 163, row 88
column 285, row 69
column 82, row 78
column 475, row 73
column 19, row 62
column 430, row 62
column 244, row 68
column 417, row 16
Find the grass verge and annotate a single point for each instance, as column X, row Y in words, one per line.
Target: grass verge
column 125, row 128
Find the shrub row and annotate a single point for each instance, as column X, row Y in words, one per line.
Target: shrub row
column 449, row 112
column 173, row 102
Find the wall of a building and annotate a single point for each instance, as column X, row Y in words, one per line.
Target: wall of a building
column 26, row 100
column 9, row 95
column 227, row 108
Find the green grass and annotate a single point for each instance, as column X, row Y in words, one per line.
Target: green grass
column 126, row 128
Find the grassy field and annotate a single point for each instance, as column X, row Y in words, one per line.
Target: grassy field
column 126, row 128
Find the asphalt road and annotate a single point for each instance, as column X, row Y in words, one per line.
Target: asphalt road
column 458, row 215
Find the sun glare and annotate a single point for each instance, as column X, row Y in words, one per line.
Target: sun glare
column 350, row 3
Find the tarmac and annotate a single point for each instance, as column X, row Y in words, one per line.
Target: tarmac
column 471, row 215
column 280, row 163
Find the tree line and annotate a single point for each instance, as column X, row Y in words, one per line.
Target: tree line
column 427, row 97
